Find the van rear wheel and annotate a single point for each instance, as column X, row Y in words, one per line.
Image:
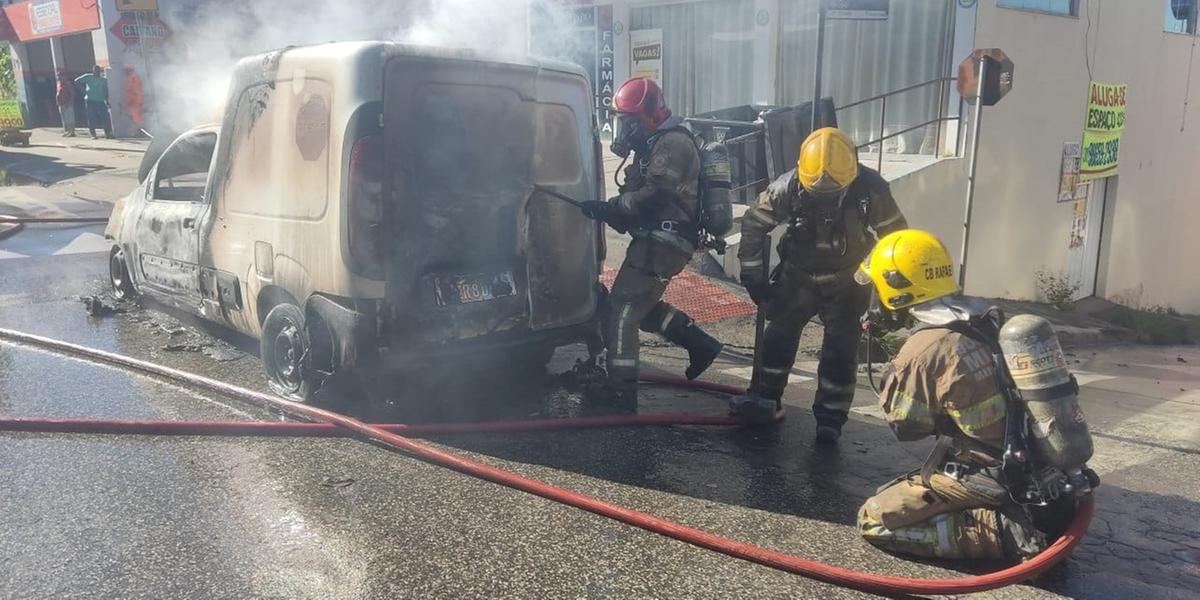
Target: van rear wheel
column 287, row 353
column 118, row 275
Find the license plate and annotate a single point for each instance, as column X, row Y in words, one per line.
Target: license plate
column 452, row 290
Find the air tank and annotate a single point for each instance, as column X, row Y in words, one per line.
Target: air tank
column 1035, row 360
column 716, row 177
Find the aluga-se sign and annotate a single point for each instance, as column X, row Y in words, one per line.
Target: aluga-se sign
column 1102, row 129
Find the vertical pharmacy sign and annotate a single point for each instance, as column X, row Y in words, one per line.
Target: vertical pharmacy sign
column 1102, row 131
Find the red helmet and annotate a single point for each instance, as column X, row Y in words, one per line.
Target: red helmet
column 642, row 97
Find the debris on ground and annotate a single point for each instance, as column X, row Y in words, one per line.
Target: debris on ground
column 221, row 352
column 214, row 350
column 97, row 307
column 586, row 376
column 337, row 482
column 1180, row 359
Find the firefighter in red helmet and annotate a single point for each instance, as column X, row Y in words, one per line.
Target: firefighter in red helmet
column 659, row 206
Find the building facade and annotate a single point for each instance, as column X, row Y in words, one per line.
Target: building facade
column 716, row 54
column 1126, row 237
column 49, row 36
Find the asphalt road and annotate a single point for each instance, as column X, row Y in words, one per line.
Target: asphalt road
column 141, row 517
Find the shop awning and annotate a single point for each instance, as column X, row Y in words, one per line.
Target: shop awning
column 41, row 19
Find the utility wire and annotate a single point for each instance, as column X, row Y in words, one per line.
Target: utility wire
column 1187, row 88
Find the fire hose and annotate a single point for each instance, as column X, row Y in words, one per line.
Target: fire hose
column 332, row 423
column 23, row 220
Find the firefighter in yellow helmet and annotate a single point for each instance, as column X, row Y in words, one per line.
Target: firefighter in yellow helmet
column 943, row 382
column 834, row 209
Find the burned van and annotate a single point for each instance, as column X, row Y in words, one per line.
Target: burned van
column 370, row 203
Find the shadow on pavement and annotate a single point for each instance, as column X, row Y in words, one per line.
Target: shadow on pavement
column 45, row 170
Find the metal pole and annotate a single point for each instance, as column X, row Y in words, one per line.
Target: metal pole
column 816, row 121
column 941, row 116
column 962, row 265
column 882, row 119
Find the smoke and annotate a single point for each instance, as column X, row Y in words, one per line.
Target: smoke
column 498, row 26
column 191, row 76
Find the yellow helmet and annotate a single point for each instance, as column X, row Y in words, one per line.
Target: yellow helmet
column 909, row 267
column 828, row 162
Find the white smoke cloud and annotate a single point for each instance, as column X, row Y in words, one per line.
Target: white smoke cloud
column 191, row 81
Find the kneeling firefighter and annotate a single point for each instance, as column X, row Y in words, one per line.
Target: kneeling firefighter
column 834, row 209
column 1010, row 461
column 660, row 206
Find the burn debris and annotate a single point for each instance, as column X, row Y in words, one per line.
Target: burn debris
column 97, row 307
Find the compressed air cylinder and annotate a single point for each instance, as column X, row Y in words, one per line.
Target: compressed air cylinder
column 1035, row 361
column 716, row 172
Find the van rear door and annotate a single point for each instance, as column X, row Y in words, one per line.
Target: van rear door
column 471, row 248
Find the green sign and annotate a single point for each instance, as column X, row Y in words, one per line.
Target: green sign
column 1102, row 131
column 10, row 114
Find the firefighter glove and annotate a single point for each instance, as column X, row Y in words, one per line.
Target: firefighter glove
column 597, row 209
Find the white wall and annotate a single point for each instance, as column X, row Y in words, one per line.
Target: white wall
column 1018, row 228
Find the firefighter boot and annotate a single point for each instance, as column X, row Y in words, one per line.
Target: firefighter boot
column 681, row 330
column 623, row 390
column 755, row 409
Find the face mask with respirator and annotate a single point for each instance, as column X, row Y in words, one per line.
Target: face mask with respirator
column 629, row 137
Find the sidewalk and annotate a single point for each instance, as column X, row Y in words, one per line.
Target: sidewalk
column 52, row 159
column 58, row 176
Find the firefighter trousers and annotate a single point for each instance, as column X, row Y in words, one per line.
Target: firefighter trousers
column 636, row 303
column 945, row 519
column 797, row 299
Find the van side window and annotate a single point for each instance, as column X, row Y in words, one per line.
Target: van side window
column 183, row 169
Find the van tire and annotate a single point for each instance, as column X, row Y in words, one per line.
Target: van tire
column 118, row 275
column 286, row 353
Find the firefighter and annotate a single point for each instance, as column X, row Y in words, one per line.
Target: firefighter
column 834, row 209
column 943, row 382
column 659, row 207
column 135, row 97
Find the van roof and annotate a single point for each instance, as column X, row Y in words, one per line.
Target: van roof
column 352, row 51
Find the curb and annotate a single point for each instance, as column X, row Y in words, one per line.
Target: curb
column 8, row 230
column 1093, row 337
column 100, row 148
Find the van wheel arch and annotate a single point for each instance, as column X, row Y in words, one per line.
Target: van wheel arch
column 270, row 297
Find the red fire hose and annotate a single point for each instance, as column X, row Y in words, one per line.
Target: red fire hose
column 879, row 584
column 23, row 220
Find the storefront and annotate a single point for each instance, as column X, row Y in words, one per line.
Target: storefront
column 713, row 54
column 49, row 36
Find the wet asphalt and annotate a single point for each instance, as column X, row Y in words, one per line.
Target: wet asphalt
column 88, row 516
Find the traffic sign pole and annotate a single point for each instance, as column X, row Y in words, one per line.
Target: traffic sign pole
column 975, row 126
column 985, row 76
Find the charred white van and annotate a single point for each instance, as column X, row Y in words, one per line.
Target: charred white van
column 365, row 204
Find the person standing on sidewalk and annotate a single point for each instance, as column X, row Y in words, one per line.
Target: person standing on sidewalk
column 65, row 99
column 659, row 205
column 95, row 98
column 835, row 209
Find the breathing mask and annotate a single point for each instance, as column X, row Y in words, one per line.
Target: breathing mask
column 630, row 136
